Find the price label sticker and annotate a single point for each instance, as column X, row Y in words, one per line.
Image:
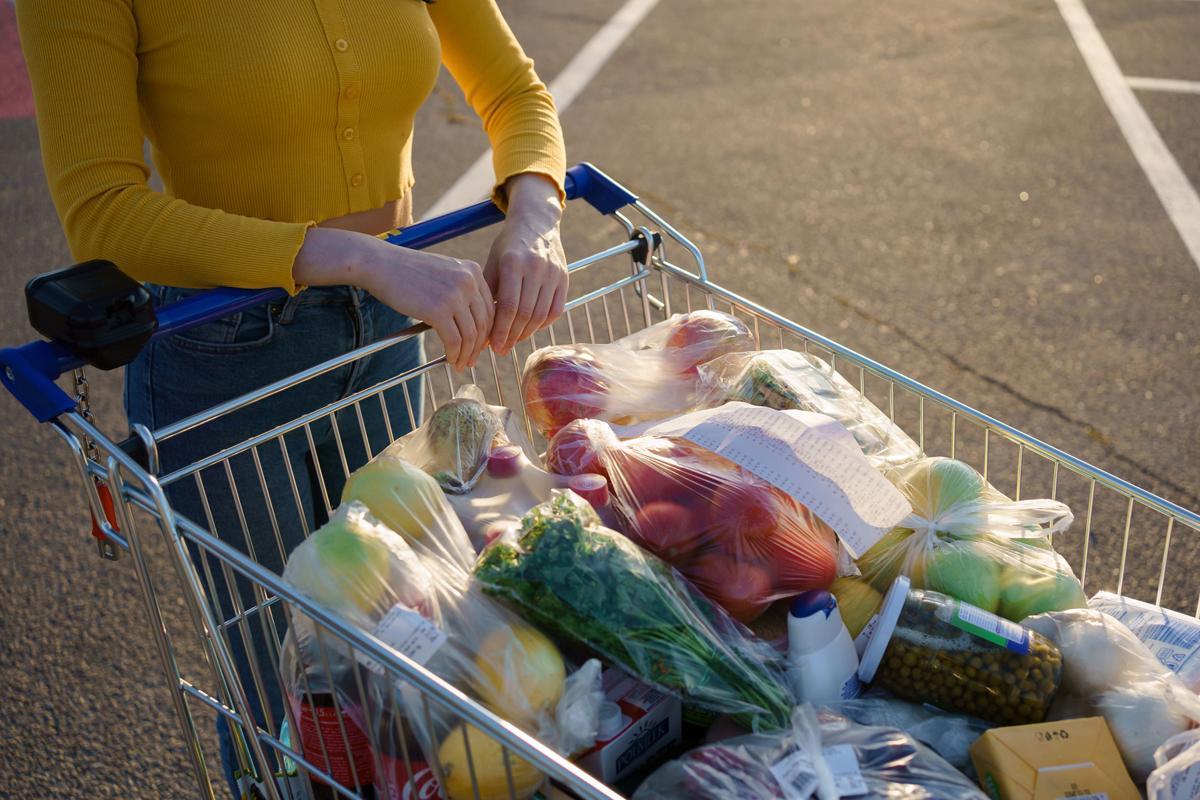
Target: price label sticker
column 795, row 775
column 407, row 631
column 847, row 776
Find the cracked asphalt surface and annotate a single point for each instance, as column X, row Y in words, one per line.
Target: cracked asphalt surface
column 939, row 187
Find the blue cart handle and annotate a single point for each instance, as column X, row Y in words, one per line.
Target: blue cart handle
column 29, row 371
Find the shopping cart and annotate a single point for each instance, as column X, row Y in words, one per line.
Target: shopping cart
column 624, row 287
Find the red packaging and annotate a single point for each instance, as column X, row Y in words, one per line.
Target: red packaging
column 742, row 541
column 321, row 738
column 397, row 786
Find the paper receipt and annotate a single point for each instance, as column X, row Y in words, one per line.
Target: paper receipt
column 809, row 456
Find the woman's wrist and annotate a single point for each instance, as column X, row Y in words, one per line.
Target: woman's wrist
column 534, row 197
column 334, row 257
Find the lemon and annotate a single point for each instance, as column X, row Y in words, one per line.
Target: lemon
column 491, row 777
column 519, row 674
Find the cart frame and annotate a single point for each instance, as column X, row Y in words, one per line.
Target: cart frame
column 649, row 287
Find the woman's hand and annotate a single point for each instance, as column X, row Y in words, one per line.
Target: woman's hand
column 526, row 268
column 448, row 293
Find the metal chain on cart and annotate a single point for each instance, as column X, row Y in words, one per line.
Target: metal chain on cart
column 83, row 405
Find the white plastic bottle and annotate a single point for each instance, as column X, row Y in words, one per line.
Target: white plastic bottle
column 822, row 661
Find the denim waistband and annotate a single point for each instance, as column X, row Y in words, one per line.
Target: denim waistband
column 312, row 296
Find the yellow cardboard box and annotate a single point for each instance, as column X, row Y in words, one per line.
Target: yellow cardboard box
column 1074, row 758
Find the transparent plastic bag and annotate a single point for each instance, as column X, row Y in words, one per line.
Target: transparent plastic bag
column 1107, row 671
column 742, row 541
column 410, row 502
column 1176, row 775
column 816, row 756
column 967, row 540
column 359, row 569
column 514, row 670
column 786, row 379
column 949, row 735
column 432, row 611
column 645, row 376
column 592, row 586
column 509, row 486
column 453, row 445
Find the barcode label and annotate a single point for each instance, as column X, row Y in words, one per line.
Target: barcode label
column 795, row 775
column 1088, row 796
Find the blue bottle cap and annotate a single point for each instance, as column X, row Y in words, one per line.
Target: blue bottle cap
column 812, row 602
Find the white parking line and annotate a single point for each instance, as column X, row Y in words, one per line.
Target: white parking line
column 476, row 182
column 1164, row 85
column 1176, row 194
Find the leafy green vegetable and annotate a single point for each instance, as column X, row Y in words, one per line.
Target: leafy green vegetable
column 587, row 584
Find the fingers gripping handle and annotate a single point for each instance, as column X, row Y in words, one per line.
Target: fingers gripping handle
column 29, row 371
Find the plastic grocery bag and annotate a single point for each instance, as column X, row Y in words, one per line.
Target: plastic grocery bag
column 360, row 570
column 786, row 379
column 591, row 586
column 648, row 375
column 1107, row 671
column 967, row 540
column 409, row 501
column 453, row 445
column 514, row 670
column 949, row 735
column 509, row 486
column 1176, row 775
column 742, row 541
column 430, row 609
column 821, row 755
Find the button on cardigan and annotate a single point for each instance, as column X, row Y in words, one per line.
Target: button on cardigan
column 263, row 116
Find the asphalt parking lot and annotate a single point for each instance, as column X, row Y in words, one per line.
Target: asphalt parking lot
column 940, row 186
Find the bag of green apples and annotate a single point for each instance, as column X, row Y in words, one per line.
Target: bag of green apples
column 967, row 540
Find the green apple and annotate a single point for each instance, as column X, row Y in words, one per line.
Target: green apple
column 1028, row 591
column 857, row 601
column 934, row 485
column 967, row 570
column 889, row 557
column 344, row 565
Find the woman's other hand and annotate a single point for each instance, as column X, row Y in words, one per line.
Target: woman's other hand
column 526, row 268
column 448, row 293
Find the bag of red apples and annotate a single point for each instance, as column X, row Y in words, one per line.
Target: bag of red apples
column 740, row 540
column 645, row 376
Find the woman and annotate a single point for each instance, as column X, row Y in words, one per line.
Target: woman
column 282, row 130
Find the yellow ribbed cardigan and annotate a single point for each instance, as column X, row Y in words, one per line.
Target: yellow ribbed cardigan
column 264, row 117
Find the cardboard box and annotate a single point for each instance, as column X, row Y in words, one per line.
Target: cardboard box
column 651, row 722
column 1074, row 758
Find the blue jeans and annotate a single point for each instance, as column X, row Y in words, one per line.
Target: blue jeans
column 265, row 517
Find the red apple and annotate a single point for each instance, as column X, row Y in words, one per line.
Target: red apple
column 581, row 446
column 749, row 511
column 640, row 479
column 803, row 552
column 701, row 336
column 742, row 588
column 667, row 530
column 561, row 384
